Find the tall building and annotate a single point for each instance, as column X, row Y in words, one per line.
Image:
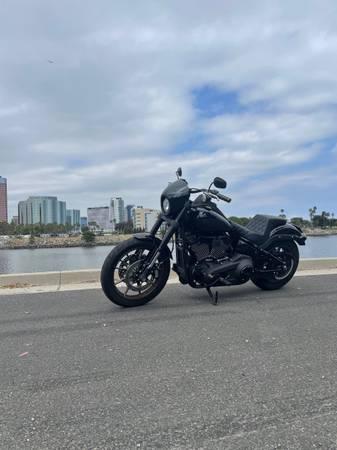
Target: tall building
column 84, row 222
column 61, row 213
column 73, row 217
column 128, row 213
column 117, row 212
column 151, row 216
column 3, row 200
column 101, row 216
column 144, row 218
column 138, row 218
column 42, row 210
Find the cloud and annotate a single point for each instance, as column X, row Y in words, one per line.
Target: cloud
column 110, row 113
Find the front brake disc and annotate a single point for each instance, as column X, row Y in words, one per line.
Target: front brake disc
column 132, row 277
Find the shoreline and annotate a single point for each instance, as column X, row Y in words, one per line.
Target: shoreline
column 320, row 233
column 60, row 242
column 14, row 243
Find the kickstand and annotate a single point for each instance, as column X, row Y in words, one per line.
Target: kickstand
column 214, row 297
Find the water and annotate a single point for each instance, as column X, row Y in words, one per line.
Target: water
column 319, row 247
column 50, row 259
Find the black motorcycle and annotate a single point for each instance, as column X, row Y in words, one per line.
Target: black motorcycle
column 210, row 250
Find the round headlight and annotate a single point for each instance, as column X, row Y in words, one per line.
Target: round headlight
column 166, row 205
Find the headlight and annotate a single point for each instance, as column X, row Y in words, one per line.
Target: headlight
column 166, row 205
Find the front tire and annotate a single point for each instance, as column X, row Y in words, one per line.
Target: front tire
column 289, row 251
column 118, row 274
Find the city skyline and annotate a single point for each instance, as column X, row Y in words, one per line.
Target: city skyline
column 46, row 209
column 124, row 213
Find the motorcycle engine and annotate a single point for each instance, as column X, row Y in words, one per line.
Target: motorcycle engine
column 204, row 247
column 214, row 260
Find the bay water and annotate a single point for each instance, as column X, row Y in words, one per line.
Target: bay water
column 74, row 258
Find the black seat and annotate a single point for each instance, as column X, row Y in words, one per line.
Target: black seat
column 259, row 227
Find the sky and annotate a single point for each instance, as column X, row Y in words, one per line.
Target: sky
column 102, row 99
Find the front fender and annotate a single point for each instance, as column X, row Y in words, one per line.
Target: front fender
column 286, row 232
column 165, row 251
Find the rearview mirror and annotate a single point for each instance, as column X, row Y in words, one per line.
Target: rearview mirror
column 179, row 172
column 219, row 183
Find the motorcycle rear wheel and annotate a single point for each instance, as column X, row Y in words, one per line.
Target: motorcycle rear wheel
column 119, row 274
column 287, row 250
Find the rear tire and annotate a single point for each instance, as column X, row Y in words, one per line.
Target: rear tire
column 273, row 282
column 111, row 265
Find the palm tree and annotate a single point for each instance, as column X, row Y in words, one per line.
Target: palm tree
column 324, row 218
column 312, row 212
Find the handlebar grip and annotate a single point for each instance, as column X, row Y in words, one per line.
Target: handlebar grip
column 212, row 191
column 224, row 198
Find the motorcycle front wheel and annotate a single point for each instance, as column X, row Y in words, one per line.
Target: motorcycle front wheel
column 120, row 273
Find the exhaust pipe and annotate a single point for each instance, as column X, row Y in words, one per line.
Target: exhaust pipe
column 241, row 265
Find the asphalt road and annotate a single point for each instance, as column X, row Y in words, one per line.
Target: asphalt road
column 258, row 371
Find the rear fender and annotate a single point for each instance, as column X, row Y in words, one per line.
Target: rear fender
column 286, row 232
column 165, row 251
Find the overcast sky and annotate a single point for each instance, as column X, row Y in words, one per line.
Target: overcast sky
column 107, row 98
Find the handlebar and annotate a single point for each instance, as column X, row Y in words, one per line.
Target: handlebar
column 213, row 192
column 224, row 198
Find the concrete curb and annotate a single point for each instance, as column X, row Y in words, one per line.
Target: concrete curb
column 317, row 263
column 89, row 278
column 56, row 279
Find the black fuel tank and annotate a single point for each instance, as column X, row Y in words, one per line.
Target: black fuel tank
column 210, row 223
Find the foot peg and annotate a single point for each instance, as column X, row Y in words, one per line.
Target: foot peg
column 214, row 297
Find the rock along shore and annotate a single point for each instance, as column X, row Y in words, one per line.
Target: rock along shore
column 320, row 231
column 13, row 242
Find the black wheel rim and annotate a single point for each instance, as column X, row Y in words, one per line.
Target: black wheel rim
column 125, row 274
column 287, row 263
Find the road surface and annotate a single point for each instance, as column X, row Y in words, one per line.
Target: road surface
column 258, row 371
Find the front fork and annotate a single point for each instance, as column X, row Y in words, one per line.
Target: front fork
column 173, row 227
